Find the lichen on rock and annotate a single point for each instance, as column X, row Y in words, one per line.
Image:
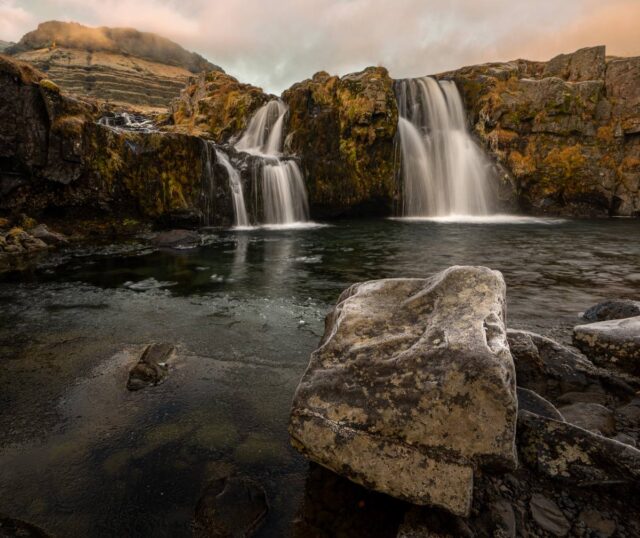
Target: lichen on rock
column 412, row 387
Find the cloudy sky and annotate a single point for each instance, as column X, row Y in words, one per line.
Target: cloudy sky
column 275, row 43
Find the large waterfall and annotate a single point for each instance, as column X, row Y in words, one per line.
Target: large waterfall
column 283, row 192
column 443, row 171
column 235, row 184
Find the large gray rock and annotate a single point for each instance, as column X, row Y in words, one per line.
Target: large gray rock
column 614, row 343
column 412, row 386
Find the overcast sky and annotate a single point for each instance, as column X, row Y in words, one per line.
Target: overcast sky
column 275, row 43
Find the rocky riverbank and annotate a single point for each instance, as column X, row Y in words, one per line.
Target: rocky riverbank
column 412, row 393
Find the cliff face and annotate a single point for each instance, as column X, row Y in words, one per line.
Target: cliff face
column 118, row 65
column 215, row 105
column 567, row 132
column 343, row 130
column 55, row 160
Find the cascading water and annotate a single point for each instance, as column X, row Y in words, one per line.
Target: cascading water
column 283, row 191
column 235, row 184
column 207, row 187
column 443, row 171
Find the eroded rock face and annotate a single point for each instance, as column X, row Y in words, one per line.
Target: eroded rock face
column 613, row 343
column 343, row 129
column 412, row 386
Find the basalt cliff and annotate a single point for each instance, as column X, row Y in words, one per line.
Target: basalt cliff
column 562, row 136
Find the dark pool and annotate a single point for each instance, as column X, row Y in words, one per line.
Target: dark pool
column 82, row 456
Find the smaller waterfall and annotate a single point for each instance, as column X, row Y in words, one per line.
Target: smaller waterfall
column 207, row 187
column 235, row 184
column 443, row 171
column 284, row 195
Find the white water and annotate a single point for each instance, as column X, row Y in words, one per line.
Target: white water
column 444, row 173
column 237, row 195
column 207, row 188
column 283, row 192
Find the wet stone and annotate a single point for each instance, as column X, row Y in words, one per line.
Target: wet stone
column 152, row 368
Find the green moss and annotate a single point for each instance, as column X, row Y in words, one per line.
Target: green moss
column 49, row 85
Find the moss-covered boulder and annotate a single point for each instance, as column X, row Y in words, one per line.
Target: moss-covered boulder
column 215, row 105
column 343, row 130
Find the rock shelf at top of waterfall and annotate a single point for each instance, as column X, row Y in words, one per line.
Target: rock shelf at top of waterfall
column 443, row 171
column 284, row 195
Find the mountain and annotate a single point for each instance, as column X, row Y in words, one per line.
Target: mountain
column 118, row 65
column 5, row 45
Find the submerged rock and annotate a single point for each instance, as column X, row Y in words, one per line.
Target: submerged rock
column 230, row 508
column 615, row 309
column 151, row 369
column 412, row 386
column 614, row 343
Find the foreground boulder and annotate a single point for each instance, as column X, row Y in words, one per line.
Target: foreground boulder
column 412, row 386
column 614, row 343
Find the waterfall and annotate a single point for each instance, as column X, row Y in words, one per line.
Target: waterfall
column 443, row 171
column 283, row 192
column 207, row 187
column 235, row 184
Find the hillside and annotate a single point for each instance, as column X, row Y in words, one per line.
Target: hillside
column 117, row 65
